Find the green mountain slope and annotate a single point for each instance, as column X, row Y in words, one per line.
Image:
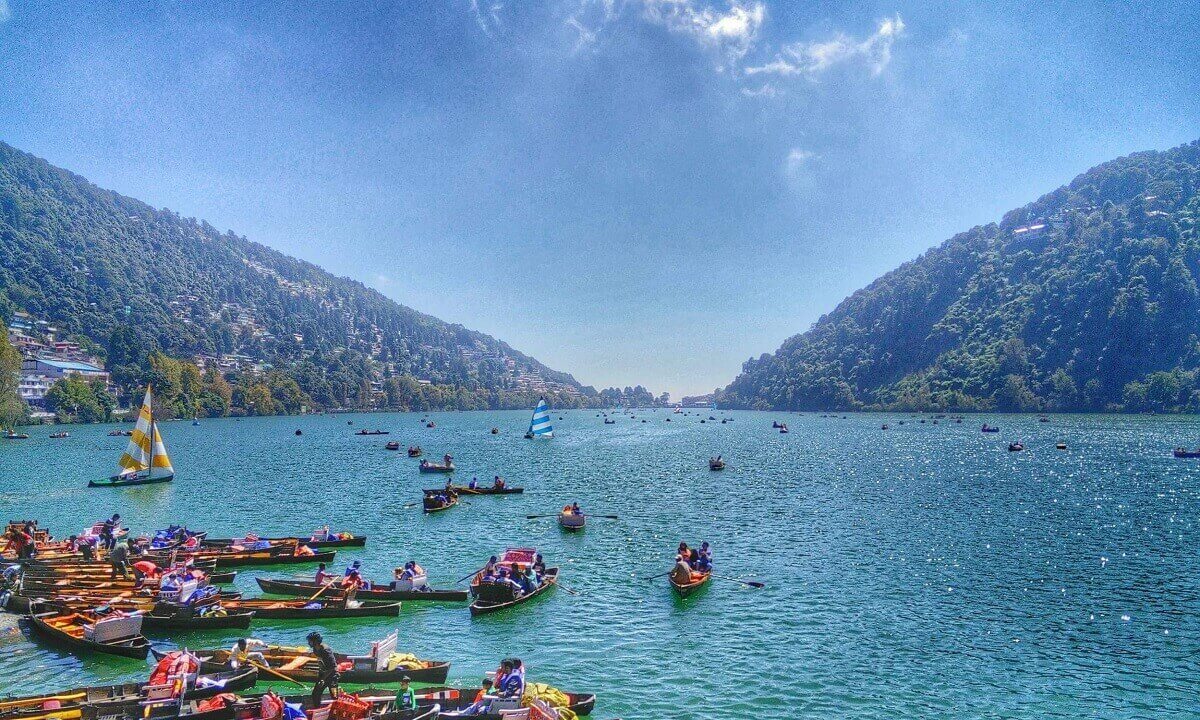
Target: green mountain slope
column 1094, row 310
column 134, row 279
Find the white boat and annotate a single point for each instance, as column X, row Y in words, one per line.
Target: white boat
column 539, row 424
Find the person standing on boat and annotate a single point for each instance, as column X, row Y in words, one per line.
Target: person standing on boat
column 20, row 542
column 327, row 675
column 118, row 558
column 473, row 484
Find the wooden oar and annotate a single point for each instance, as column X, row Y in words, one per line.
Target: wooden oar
column 655, row 577
column 471, row 574
column 751, row 583
column 320, row 592
column 278, row 674
column 535, row 517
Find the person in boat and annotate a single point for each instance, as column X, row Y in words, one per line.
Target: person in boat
column 447, row 459
column 404, row 574
column 521, row 577
column 449, row 485
column 322, row 575
column 321, row 534
column 474, row 484
column 118, row 559
column 575, row 509
column 532, row 579
column 354, row 567
column 489, row 568
column 21, row 543
column 304, row 551
column 513, row 685
column 681, row 574
column 327, row 675
column 352, row 581
column 498, row 483
column 539, row 565
column 145, row 570
column 684, row 552
column 704, row 558
column 406, row 699
column 483, row 699
column 243, row 652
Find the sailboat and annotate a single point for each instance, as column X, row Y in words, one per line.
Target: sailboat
column 145, row 460
column 539, row 424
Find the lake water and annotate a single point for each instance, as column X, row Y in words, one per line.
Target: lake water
column 919, row 571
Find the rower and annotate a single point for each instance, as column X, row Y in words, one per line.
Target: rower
column 322, row 576
column 498, row 482
column 539, row 565
column 575, row 509
column 352, row 582
column 449, row 484
column 704, row 558
column 448, row 459
column 241, row 654
column 473, row 484
column 681, row 574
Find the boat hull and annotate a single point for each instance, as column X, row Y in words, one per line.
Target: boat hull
column 116, row 481
column 296, row 588
column 685, row 589
column 136, row 648
column 483, row 606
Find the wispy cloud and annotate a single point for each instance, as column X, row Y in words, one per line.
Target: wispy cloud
column 731, row 30
column 797, row 158
column 5, row 12
column 813, row 58
column 487, row 16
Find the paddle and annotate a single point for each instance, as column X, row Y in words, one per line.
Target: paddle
column 471, row 574
column 655, row 577
column 751, row 583
column 278, row 674
column 320, row 592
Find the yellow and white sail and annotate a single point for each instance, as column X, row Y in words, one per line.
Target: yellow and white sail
column 137, row 456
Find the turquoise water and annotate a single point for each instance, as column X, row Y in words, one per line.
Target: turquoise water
column 921, row 571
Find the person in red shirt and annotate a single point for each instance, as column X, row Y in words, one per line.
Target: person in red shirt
column 20, row 542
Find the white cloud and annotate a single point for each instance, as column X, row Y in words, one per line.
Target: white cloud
column 487, row 16
column 5, row 13
column 797, row 157
column 767, row 90
column 731, row 31
column 814, row 58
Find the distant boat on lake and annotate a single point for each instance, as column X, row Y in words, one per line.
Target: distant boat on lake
column 539, row 424
column 145, row 460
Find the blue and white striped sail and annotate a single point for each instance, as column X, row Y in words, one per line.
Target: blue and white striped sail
column 540, row 426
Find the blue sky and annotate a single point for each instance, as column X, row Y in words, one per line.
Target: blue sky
column 647, row 191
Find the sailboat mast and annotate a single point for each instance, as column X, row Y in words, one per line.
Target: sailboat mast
column 150, row 404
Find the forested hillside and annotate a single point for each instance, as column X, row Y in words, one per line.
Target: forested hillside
column 134, row 280
column 1085, row 299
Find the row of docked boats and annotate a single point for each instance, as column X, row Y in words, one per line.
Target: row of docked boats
column 205, row 685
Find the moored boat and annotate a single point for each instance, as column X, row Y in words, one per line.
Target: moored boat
column 331, row 540
column 376, row 591
column 322, row 609
column 486, row 490
column 85, row 633
column 381, row 664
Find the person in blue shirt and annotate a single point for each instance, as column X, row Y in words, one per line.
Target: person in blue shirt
column 513, row 685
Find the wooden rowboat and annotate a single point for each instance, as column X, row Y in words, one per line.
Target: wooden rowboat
column 571, row 522
column 685, row 589
column 352, row 541
column 301, row 665
column 464, row 490
column 69, row 703
column 265, row 609
column 378, row 591
column 432, row 504
column 431, row 467
column 70, row 631
column 491, row 598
